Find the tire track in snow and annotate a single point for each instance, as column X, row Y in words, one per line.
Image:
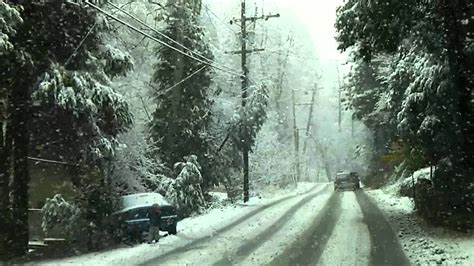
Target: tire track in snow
column 195, row 243
column 245, row 250
column 350, row 241
column 308, row 247
column 385, row 248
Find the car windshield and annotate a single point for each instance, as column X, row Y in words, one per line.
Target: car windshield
column 236, row 132
column 342, row 176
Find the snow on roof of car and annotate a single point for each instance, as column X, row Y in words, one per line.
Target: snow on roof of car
column 139, row 200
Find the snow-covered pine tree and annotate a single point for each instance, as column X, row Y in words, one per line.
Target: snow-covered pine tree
column 180, row 123
column 63, row 63
column 431, row 85
column 10, row 19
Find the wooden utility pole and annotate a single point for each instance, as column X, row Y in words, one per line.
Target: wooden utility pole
column 296, row 139
column 245, row 71
column 310, row 117
column 352, row 125
column 339, row 99
column 296, row 130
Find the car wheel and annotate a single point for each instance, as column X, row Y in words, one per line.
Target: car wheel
column 172, row 230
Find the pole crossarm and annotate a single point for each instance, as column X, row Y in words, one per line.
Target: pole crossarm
column 246, row 51
column 253, row 19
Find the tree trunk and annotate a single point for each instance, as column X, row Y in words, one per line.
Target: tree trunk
column 20, row 134
column 5, row 208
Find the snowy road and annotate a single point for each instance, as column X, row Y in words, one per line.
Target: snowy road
column 318, row 227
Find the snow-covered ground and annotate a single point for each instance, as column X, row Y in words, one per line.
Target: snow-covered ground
column 232, row 245
column 199, row 227
column 287, row 234
column 423, row 244
column 352, row 234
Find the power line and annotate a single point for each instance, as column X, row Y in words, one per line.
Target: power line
column 80, row 44
column 186, row 78
column 50, row 161
column 74, row 53
column 168, row 37
column 209, row 11
column 157, row 32
column 161, row 42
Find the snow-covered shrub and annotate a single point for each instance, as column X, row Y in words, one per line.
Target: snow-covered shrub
column 185, row 192
column 117, row 62
column 58, row 212
column 9, row 19
column 442, row 200
column 408, row 183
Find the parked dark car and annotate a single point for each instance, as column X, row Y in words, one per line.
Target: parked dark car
column 132, row 220
column 346, row 181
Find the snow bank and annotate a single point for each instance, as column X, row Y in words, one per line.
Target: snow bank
column 424, row 244
column 405, row 186
column 189, row 229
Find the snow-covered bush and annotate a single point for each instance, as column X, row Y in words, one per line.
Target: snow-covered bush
column 185, row 192
column 57, row 212
column 408, row 183
column 9, row 19
column 117, row 62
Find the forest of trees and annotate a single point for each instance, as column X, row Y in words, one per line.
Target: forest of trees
column 412, row 83
column 133, row 96
column 129, row 97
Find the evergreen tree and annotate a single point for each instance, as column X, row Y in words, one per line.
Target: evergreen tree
column 9, row 21
column 63, row 98
column 429, row 82
column 183, row 114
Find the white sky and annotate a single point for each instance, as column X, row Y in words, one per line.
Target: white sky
column 318, row 17
column 311, row 21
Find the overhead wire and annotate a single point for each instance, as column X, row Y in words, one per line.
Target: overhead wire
column 209, row 11
column 223, row 69
column 186, row 78
column 158, row 32
column 210, row 61
column 74, row 53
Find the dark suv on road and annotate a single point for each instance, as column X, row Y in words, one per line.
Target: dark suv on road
column 346, row 181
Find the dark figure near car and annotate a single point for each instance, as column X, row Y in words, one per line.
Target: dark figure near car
column 154, row 214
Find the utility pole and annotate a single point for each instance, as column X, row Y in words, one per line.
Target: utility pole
column 310, row 117
column 352, row 125
column 245, row 71
column 296, row 130
column 296, row 139
column 339, row 99
column 308, row 128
